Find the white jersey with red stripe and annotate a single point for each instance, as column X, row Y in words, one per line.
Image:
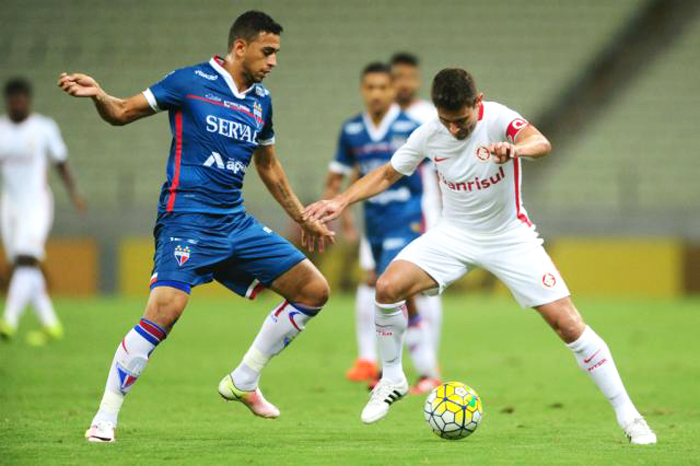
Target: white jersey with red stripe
column 477, row 194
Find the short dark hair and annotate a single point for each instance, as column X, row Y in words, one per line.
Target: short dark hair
column 404, row 58
column 18, row 85
column 375, row 67
column 250, row 24
column 453, row 88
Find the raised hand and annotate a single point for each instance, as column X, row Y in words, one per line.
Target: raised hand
column 79, row 85
column 502, row 151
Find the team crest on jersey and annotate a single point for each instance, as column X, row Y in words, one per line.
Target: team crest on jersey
column 182, row 255
column 483, row 154
column 257, row 111
column 549, row 280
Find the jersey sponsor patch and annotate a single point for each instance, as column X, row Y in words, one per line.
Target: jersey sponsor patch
column 210, row 77
column 353, row 128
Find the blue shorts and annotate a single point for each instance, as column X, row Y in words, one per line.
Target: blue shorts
column 236, row 250
column 386, row 248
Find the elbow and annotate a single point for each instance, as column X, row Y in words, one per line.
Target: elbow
column 546, row 147
column 116, row 122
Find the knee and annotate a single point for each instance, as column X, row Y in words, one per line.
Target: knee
column 314, row 293
column 389, row 290
column 165, row 307
column 569, row 325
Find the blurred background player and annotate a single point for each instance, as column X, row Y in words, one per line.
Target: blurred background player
column 367, row 141
column 28, row 142
column 405, row 69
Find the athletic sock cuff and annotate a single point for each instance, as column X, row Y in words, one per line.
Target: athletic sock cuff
column 151, row 331
column 390, row 306
column 582, row 341
column 307, row 310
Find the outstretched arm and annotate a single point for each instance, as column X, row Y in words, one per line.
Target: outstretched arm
column 113, row 110
column 273, row 175
column 373, row 183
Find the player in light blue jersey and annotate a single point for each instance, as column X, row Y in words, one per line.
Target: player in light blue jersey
column 392, row 220
column 221, row 120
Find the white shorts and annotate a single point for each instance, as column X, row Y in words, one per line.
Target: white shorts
column 516, row 257
column 366, row 257
column 25, row 228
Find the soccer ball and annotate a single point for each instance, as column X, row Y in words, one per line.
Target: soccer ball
column 453, row 410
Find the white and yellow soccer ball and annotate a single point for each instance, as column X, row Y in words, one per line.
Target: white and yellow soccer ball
column 453, row 410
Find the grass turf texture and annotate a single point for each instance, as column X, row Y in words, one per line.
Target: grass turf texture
column 539, row 407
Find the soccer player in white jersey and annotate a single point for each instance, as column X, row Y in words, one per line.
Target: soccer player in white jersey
column 477, row 147
column 28, row 143
column 405, row 69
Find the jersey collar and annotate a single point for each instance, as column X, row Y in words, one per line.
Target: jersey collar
column 377, row 133
column 215, row 63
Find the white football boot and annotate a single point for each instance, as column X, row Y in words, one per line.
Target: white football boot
column 639, row 432
column 384, row 394
column 254, row 399
column 102, row 432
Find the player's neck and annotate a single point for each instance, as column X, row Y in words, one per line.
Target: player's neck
column 240, row 78
column 406, row 104
column 377, row 117
column 17, row 119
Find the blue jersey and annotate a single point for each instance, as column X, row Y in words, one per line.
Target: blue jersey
column 363, row 146
column 215, row 130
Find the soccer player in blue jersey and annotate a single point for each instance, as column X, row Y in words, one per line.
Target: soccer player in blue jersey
column 392, row 219
column 220, row 118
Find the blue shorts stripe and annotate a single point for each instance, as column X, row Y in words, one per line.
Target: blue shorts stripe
column 182, row 286
column 150, row 338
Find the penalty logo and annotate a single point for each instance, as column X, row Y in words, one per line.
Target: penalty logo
column 182, row 255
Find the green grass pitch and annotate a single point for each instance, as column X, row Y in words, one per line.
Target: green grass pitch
column 539, row 407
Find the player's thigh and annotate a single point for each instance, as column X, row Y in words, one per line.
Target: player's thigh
column 8, row 226
column 165, row 306
column 187, row 248
column 262, row 258
column 401, row 280
column 303, row 284
column 32, row 229
column 432, row 262
column 527, row 271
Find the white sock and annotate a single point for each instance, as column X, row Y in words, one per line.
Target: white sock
column 420, row 347
column 283, row 324
column 129, row 361
column 364, row 323
column 390, row 321
column 594, row 357
column 430, row 309
column 19, row 294
column 43, row 307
